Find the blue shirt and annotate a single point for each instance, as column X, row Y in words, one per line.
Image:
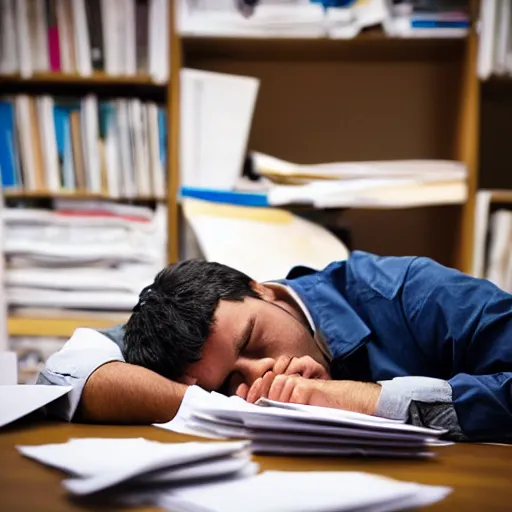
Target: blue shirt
column 389, row 317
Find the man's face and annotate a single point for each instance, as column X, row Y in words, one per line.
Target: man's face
column 248, row 337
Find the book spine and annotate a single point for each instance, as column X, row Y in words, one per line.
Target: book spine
column 53, row 36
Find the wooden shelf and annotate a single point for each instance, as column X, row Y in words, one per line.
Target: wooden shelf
column 57, row 327
column 45, row 194
column 371, row 45
column 98, row 78
column 501, row 196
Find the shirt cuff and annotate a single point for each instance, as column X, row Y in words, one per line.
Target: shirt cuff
column 397, row 395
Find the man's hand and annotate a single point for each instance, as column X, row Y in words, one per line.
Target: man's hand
column 348, row 395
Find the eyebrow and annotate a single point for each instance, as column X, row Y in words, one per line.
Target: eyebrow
column 245, row 336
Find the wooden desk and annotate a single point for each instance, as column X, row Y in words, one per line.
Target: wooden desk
column 480, row 474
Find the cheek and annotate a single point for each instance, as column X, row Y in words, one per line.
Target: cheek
column 287, row 336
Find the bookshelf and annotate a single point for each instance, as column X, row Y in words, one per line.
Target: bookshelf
column 318, row 102
column 141, row 86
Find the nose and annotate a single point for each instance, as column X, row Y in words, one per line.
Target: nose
column 252, row 369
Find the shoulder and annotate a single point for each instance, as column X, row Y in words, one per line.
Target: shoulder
column 384, row 275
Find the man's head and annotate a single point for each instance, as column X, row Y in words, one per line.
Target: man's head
column 206, row 323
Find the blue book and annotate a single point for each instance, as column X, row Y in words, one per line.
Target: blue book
column 162, row 133
column 226, row 196
column 8, row 159
column 61, row 118
column 423, row 23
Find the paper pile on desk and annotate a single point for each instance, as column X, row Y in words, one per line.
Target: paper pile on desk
column 99, row 464
column 307, row 491
column 215, row 477
column 293, row 429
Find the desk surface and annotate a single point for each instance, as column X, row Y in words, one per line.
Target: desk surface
column 480, row 474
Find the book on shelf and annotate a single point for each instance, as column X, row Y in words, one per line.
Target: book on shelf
column 116, row 148
column 127, row 37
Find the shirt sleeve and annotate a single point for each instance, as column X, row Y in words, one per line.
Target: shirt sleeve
column 83, row 353
column 463, row 327
column 421, row 401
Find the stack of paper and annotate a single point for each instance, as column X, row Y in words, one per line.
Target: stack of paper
column 275, row 427
column 318, row 491
column 99, row 464
column 378, row 184
column 89, row 255
column 203, row 477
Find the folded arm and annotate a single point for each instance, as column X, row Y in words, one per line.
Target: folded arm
column 105, row 388
column 464, row 325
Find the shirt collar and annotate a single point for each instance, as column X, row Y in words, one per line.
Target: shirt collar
column 335, row 320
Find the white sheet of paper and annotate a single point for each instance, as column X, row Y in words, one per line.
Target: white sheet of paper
column 276, row 491
column 289, row 425
column 233, row 412
column 18, row 401
column 104, row 463
column 194, row 395
column 172, row 455
column 325, row 412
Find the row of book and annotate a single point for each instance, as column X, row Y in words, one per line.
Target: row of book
column 495, row 44
column 115, row 148
column 120, row 37
column 323, row 18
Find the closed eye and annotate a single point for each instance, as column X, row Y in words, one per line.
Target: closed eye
column 245, row 337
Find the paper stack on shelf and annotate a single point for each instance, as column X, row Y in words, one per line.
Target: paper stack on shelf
column 82, row 36
column 495, row 42
column 112, row 147
column 270, row 18
column 279, row 18
column 385, row 184
column 85, row 255
column 279, row 428
column 428, row 18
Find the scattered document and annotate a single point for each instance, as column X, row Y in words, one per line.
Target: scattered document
column 18, row 401
column 99, row 464
column 261, row 242
column 276, row 427
column 280, row 491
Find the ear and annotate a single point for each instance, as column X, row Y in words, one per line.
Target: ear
column 264, row 291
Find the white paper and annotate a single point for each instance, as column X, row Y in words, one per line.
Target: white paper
column 326, row 412
column 276, row 491
column 18, row 401
column 304, row 449
column 230, row 411
column 103, row 463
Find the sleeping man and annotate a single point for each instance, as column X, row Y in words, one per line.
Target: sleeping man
column 398, row 337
